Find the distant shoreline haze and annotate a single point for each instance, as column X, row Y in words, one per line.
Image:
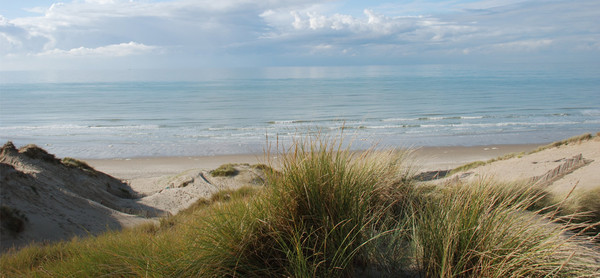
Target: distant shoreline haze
column 104, row 114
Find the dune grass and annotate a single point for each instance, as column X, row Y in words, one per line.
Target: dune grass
column 75, row 163
column 330, row 212
column 478, row 230
column 580, row 206
column 225, row 170
column 573, row 140
column 588, row 202
column 313, row 220
column 476, row 164
column 466, row 167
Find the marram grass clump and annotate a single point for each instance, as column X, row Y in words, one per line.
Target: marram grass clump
column 78, row 164
column 315, row 219
column 573, row 140
column 477, row 230
column 225, row 170
column 580, row 206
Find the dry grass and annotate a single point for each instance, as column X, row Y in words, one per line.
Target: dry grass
column 573, row 140
column 478, row 230
column 315, row 219
column 582, row 206
column 225, row 170
column 78, row 164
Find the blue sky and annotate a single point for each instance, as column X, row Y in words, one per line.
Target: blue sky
column 132, row 34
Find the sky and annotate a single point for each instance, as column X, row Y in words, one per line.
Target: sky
column 149, row 34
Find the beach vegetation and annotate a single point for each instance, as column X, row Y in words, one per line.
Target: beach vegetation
column 580, row 206
column 229, row 194
column 467, row 167
column 262, row 167
column 330, row 212
column 225, row 170
column 316, row 219
column 75, row 163
column 257, row 181
column 588, row 203
column 35, row 152
column 476, row 164
column 477, row 230
column 78, row 164
column 573, row 140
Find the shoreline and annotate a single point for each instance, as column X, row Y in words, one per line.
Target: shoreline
column 425, row 158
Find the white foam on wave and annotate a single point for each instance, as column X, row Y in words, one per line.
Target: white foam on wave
column 225, row 128
column 283, row 122
column 591, row 112
column 77, row 127
column 398, row 119
column 391, row 126
column 472, row 117
column 51, row 126
column 439, row 118
column 126, row 127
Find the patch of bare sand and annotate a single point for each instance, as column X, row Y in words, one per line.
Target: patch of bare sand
column 173, row 193
column 447, row 158
column 560, row 164
column 153, row 167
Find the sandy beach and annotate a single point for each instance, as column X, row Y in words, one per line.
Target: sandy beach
column 425, row 159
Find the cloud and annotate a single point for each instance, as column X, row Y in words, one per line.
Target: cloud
column 113, row 50
column 373, row 33
column 271, row 32
column 451, row 31
column 525, row 45
column 16, row 39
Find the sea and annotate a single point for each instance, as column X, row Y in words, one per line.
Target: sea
column 221, row 111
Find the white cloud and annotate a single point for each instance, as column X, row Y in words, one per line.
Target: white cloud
column 374, row 32
column 16, row 39
column 113, row 50
column 294, row 30
column 524, row 45
column 311, row 24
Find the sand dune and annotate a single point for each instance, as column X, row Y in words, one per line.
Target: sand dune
column 560, row 168
column 56, row 200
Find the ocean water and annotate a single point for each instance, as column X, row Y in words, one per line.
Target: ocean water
column 108, row 114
